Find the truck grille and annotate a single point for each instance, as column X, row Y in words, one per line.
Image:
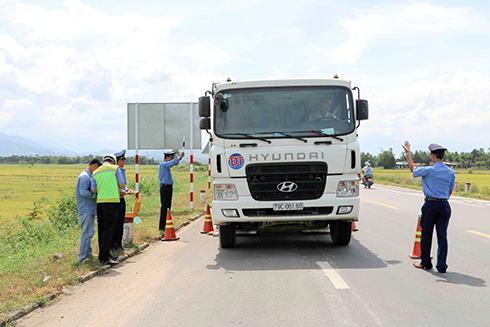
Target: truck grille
column 263, row 180
column 270, row 212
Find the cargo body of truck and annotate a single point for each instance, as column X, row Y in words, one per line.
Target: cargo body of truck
column 284, row 155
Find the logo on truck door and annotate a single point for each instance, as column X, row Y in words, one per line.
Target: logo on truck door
column 287, row 187
column 236, row 161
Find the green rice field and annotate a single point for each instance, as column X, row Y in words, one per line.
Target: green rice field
column 38, row 219
column 22, row 185
column 479, row 179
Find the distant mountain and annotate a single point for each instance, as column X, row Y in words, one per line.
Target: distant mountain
column 13, row 144
column 8, row 148
column 20, row 140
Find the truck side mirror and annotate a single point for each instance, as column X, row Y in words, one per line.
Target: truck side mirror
column 204, row 106
column 205, row 123
column 362, row 109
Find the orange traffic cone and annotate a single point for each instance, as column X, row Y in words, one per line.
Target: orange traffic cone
column 416, row 247
column 354, row 228
column 169, row 229
column 208, row 223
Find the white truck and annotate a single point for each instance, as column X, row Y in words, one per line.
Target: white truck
column 284, row 155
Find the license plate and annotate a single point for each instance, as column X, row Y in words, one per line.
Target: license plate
column 288, row 206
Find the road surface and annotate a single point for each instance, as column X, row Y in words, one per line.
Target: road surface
column 296, row 279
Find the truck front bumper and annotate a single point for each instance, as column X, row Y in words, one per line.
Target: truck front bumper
column 328, row 207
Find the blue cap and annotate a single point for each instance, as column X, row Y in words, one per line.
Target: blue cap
column 435, row 147
column 120, row 153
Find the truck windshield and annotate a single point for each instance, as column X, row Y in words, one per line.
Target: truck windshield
column 284, row 112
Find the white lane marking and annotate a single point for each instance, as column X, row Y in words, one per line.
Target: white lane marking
column 402, row 192
column 453, row 199
column 334, row 277
column 465, row 203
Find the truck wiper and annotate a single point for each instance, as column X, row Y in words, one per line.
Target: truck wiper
column 250, row 136
column 321, row 134
column 329, row 135
column 292, row 136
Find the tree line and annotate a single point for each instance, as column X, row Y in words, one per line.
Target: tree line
column 477, row 158
column 66, row 160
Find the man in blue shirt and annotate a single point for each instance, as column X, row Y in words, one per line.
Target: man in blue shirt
column 87, row 208
column 166, row 184
column 437, row 183
column 368, row 171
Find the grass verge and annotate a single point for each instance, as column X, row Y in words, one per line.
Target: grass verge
column 30, row 267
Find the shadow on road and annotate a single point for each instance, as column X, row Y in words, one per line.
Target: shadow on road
column 289, row 251
column 457, row 278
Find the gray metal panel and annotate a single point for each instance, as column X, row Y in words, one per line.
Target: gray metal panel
column 206, row 149
column 163, row 126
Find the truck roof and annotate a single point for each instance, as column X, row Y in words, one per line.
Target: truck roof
column 282, row 82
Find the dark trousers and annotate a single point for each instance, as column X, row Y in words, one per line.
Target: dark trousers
column 118, row 232
column 166, row 202
column 106, row 223
column 434, row 214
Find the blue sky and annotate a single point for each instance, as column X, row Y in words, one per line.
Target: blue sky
column 68, row 68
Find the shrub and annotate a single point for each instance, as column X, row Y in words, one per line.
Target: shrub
column 64, row 214
column 147, row 185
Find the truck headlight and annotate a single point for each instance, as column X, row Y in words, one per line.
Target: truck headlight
column 348, row 188
column 225, row 192
column 342, row 210
column 230, row 213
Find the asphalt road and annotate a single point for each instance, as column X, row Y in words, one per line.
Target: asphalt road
column 296, row 279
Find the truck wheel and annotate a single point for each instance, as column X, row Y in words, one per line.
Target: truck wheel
column 227, row 235
column 340, row 231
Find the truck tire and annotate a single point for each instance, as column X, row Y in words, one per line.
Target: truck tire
column 227, row 236
column 340, row 231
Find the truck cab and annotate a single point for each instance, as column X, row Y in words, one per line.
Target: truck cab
column 284, row 155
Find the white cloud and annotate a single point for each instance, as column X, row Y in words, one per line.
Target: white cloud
column 5, row 117
column 78, row 19
column 22, row 103
column 77, row 58
column 14, row 109
column 74, row 40
column 291, row 34
column 448, row 108
column 71, row 71
column 395, row 23
column 314, row 70
column 7, row 71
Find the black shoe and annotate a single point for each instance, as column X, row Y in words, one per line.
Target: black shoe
column 442, row 271
column 110, row 262
column 114, row 257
